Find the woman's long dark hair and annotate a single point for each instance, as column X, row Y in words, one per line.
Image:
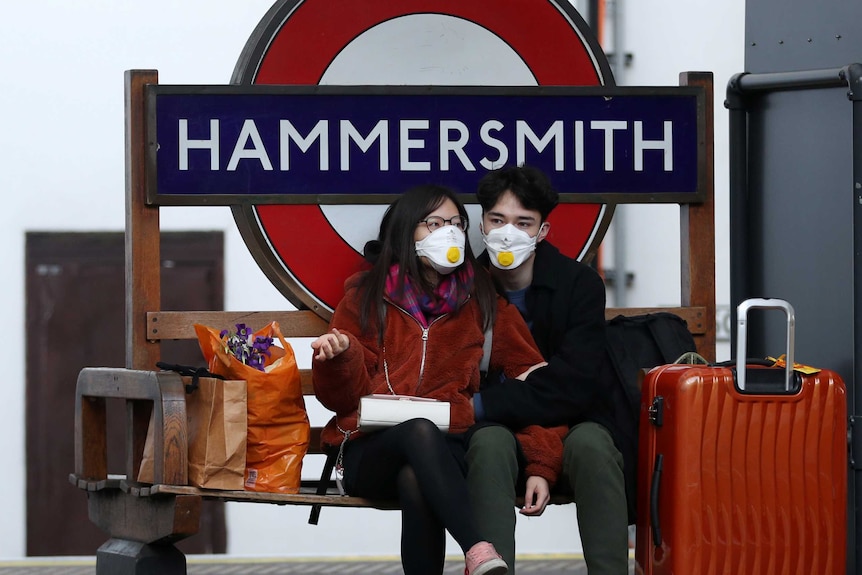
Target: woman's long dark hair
column 395, row 244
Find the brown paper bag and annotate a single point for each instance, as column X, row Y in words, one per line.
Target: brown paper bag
column 217, row 431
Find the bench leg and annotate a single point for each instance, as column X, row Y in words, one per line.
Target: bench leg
column 143, row 531
column 121, row 557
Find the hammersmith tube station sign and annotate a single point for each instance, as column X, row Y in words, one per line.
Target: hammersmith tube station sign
column 336, row 106
column 328, row 145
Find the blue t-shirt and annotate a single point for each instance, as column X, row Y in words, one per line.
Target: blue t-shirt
column 518, row 298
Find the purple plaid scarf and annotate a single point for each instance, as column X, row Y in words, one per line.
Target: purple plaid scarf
column 450, row 293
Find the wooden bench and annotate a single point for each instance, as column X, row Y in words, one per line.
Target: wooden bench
column 144, row 520
column 164, row 391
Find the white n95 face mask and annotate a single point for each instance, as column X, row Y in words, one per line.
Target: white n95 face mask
column 508, row 246
column 444, row 248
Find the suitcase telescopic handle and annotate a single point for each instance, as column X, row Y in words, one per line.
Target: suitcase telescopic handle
column 742, row 333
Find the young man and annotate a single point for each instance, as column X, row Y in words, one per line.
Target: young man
column 563, row 302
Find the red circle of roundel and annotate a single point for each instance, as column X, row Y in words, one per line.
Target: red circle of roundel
column 295, row 44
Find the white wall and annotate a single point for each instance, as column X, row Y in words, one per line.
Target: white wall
column 666, row 38
column 61, row 169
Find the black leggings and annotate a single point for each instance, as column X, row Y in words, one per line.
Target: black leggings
column 414, row 463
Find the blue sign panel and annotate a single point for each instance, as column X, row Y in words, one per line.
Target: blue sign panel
column 267, row 144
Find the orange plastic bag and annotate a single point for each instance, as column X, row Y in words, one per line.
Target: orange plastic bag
column 278, row 428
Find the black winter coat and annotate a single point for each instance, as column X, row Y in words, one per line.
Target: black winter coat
column 566, row 305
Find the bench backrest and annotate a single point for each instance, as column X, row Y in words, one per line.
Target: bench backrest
column 306, row 324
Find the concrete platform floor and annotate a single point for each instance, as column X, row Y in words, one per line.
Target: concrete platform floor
column 223, row 565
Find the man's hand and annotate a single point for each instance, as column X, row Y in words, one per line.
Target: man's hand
column 524, row 375
column 329, row 345
column 536, row 497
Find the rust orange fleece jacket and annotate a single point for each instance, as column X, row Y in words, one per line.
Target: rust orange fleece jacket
column 443, row 365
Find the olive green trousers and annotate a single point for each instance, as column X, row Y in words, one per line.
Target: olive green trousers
column 592, row 474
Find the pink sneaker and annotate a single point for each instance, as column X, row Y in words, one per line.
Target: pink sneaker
column 483, row 559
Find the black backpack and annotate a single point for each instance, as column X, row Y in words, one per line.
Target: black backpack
column 634, row 343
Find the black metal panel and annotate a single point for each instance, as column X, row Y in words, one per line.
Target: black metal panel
column 797, row 153
column 782, row 35
column 801, row 233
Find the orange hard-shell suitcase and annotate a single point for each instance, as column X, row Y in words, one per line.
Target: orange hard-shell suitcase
column 742, row 475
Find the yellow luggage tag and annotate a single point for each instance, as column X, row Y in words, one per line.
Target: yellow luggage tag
column 781, row 361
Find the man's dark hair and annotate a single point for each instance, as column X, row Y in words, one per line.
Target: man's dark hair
column 530, row 185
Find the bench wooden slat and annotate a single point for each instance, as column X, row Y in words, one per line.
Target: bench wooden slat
column 314, row 440
column 180, row 324
column 695, row 317
column 303, row 323
column 305, row 381
column 307, row 496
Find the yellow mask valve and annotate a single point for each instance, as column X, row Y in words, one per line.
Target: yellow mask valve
column 505, row 258
column 453, row 254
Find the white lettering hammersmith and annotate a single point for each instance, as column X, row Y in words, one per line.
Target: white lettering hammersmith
column 408, row 143
column 619, row 139
column 212, row 144
column 448, row 146
column 288, row 132
column 524, row 132
column 609, row 126
column 665, row 144
column 350, row 134
column 502, row 150
column 257, row 150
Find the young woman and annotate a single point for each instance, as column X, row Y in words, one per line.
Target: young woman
column 414, row 325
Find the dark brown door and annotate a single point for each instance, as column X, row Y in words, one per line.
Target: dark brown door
column 76, row 318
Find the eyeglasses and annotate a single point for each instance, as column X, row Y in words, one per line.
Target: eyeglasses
column 436, row 222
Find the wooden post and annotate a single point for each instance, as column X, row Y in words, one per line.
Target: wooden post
column 142, row 229
column 697, row 229
column 142, row 530
column 143, row 259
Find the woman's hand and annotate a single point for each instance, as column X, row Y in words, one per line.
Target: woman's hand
column 329, row 345
column 536, row 497
column 524, row 375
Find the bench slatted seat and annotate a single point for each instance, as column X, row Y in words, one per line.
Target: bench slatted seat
column 149, row 518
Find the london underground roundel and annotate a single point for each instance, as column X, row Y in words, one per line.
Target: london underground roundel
column 308, row 251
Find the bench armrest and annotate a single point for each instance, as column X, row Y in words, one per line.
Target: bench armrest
column 162, row 392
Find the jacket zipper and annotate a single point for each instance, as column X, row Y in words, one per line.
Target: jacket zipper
column 424, row 341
